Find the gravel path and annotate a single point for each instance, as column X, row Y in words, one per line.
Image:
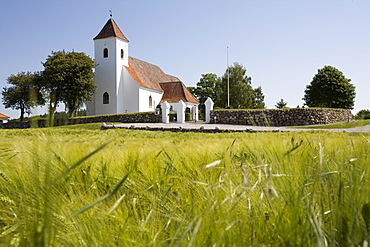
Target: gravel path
column 201, row 125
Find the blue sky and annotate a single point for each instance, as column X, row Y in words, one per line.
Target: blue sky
column 282, row 43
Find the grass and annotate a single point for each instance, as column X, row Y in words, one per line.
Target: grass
column 346, row 125
column 63, row 187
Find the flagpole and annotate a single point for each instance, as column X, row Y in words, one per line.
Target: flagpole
column 228, row 77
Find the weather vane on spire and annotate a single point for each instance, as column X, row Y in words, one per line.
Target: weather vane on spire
column 110, row 11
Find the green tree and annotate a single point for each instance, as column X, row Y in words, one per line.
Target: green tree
column 68, row 78
column 23, row 94
column 259, row 99
column 191, row 90
column 330, row 88
column 281, row 104
column 241, row 93
column 363, row 114
column 206, row 88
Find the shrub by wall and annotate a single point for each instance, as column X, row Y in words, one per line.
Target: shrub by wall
column 173, row 117
column 281, row 117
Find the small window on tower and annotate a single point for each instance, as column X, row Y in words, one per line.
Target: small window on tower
column 121, row 53
column 105, row 52
column 105, row 98
column 150, row 101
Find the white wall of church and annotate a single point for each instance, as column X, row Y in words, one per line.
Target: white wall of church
column 90, row 107
column 130, row 96
column 144, row 95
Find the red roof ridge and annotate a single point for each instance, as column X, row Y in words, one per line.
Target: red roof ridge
column 174, row 91
column 110, row 30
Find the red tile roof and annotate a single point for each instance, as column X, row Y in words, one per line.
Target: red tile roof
column 109, row 30
column 148, row 75
column 3, row 116
column 151, row 76
column 176, row 91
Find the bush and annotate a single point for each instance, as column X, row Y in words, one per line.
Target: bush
column 173, row 117
column 363, row 114
column 188, row 116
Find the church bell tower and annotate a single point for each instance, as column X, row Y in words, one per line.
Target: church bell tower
column 111, row 54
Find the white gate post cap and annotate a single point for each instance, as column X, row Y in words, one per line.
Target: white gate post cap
column 209, row 102
column 181, row 103
column 165, row 105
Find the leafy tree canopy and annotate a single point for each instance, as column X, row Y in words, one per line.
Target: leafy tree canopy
column 191, row 90
column 259, row 99
column 241, row 93
column 206, row 88
column 330, row 88
column 22, row 94
column 363, row 114
column 68, row 78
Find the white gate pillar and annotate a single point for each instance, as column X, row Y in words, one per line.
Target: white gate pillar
column 181, row 106
column 209, row 107
column 165, row 112
column 195, row 113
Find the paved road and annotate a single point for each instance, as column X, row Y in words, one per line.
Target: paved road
column 200, row 124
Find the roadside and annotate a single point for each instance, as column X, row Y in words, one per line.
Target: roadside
column 201, row 126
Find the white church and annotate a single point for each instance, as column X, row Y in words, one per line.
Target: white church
column 126, row 84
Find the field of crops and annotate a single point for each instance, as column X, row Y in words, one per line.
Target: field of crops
column 84, row 187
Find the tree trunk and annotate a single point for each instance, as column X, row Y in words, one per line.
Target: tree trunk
column 72, row 108
column 52, row 109
column 71, row 111
column 22, row 114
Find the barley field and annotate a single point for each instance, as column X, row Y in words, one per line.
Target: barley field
column 80, row 186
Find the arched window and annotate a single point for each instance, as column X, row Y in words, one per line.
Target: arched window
column 105, row 52
column 121, row 53
column 105, row 98
column 150, row 101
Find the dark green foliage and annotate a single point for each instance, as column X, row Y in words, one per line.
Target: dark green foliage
column 242, row 95
column 173, row 117
column 363, row 114
column 68, row 78
column 191, row 90
column 206, row 87
column 188, row 116
column 258, row 100
column 281, row 104
column 330, row 88
column 23, row 94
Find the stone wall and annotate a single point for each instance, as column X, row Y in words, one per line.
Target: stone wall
column 141, row 117
column 281, row 117
column 278, row 117
column 15, row 125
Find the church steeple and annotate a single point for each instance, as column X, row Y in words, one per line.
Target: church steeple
column 110, row 30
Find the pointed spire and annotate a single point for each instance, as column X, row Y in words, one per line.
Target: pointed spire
column 109, row 30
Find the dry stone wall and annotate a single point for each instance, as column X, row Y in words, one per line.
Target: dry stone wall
column 281, row 117
column 142, row 117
